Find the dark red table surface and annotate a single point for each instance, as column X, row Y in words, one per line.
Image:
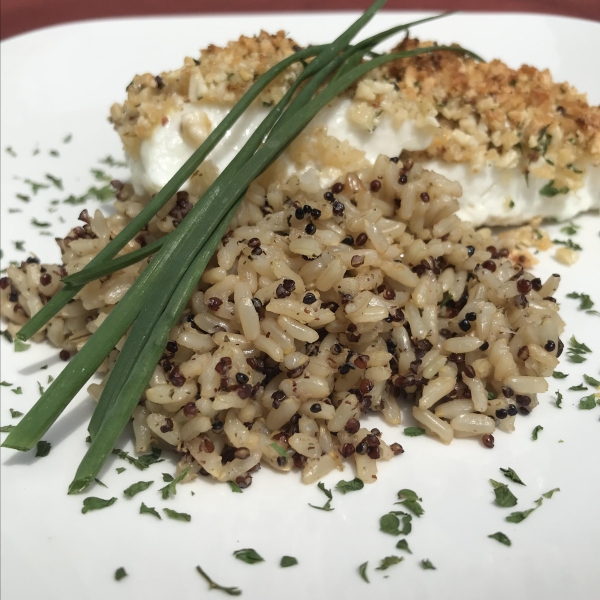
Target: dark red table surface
column 18, row 16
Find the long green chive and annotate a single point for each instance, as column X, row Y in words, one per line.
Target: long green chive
column 137, row 380
column 190, row 244
column 92, row 272
column 95, row 272
column 190, row 240
column 185, row 172
column 116, row 264
column 120, row 412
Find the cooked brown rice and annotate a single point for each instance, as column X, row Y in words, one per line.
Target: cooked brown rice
column 319, row 307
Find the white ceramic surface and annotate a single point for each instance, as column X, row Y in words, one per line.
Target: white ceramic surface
column 62, row 80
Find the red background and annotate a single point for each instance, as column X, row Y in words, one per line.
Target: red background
column 18, row 16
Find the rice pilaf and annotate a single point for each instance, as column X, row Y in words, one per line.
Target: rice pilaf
column 320, row 307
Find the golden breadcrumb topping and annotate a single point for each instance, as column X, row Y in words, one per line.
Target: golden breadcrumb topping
column 477, row 113
column 220, row 76
column 490, row 113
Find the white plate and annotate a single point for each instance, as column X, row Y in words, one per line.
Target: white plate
column 62, row 80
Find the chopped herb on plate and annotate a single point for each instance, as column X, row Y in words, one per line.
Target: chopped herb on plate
column 500, row 537
column 535, row 432
column 136, row 488
column 93, row 503
column 350, row 486
column 403, row 545
column 389, row 561
column 413, row 431
column 427, row 564
column 288, row 561
column 362, row 571
column 591, row 381
column 559, row 399
column 587, row 402
column 18, row 391
column 235, row 487
column 504, row 497
column 171, row 487
column 232, row 591
column 249, row 556
column 559, row 375
column 120, row 573
column 149, row 510
column 510, row 474
column 43, row 448
column 327, row 505
column 177, row 516
column 144, row 461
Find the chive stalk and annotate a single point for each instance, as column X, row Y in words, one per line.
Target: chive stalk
column 157, row 298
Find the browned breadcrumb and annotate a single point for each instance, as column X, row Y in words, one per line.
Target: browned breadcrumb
column 478, row 113
column 510, row 117
column 221, row 76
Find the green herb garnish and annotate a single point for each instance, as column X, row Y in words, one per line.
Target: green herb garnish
column 403, row 545
column 578, row 388
column 235, row 487
column 427, row 564
column 288, row 561
column 350, row 486
column 559, row 399
column 585, row 302
column 15, row 414
column 413, row 431
column 500, row 537
column 171, row 487
column 550, row 191
column 7, row 428
column 362, row 571
column 570, row 229
column 21, row 346
column 18, row 391
column 249, row 556
column 144, row 461
column 150, row 511
column 157, row 298
column 119, row 470
column 177, row 516
column 19, row 245
column 100, row 483
column 93, row 503
column 232, row 591
column 56, row 182
column 559, row 375
column 35, row 187
column 120, row 573
column 504, row 497
column 5, row 384
column 569, row 243
column 327, row 505
column 136, row 488
column 535, row 432
column 591, row 381
column 577, row 350
column 389, row 561
column 43, row 448
column 37, row 223
column 587, row 402
column 510, row 474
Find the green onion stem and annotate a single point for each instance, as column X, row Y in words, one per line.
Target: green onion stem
column 191, row 243
column 65, row 295
column 92, row 272
column 270, row 149
column 208, row 215
column 116, row 264
column 120, row 413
